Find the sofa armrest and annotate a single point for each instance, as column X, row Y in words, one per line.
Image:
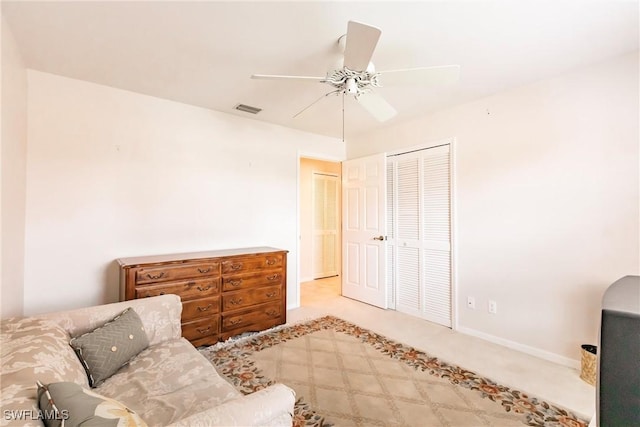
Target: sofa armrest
column 272, row 406
column 160, row 316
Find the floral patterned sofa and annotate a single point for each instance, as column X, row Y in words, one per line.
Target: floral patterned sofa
column 168, row 383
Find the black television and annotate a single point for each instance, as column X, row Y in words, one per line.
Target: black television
column 618, row 385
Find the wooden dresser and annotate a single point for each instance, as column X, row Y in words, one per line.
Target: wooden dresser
column 224, row 292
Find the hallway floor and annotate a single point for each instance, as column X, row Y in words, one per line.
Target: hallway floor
column 547, row 380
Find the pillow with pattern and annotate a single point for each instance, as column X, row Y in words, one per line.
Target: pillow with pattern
column 106, row 349
column 70, row 404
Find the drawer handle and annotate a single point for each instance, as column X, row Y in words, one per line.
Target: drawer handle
column 204, row 270
column 272, row 312
column 203, row 331
column 271, row 294
column 201, row 309
column 236, row 266
column 235, row 282
column 273, row 276
column 270, row 261
column 235, row 301
column 201, row 289
column 235, row 321
column 158, row 276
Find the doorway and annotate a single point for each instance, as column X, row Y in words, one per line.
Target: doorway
column 320, row 220
column 325, row 225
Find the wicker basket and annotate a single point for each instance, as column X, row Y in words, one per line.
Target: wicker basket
column 589, row 363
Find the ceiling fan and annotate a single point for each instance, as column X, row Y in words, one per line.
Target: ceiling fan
column 356, row 75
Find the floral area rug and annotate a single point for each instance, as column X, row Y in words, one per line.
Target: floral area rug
column 347, row 375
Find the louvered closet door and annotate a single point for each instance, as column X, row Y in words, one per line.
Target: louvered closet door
column 391, row 250
column 419, row 241
column 325, row 225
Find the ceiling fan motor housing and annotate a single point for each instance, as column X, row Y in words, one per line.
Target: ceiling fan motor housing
column 353, row 82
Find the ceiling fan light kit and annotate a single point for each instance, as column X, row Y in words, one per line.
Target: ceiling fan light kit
column 356, row 75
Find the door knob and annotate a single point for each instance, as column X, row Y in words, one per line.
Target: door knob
column 379, row 238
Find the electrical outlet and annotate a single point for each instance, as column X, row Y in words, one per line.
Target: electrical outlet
column 471, row 303
column 493, row 307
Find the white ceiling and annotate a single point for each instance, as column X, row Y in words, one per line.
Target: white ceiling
column 202, row 53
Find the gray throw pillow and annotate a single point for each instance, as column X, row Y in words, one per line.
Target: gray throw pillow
column 70, row 404
column 106, row 349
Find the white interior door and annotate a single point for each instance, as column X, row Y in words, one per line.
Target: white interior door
column 363, row 226
column 325, row 225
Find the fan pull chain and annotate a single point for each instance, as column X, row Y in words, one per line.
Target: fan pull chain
column 342, row 116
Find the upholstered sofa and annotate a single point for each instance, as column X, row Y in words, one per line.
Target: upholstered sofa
column 168, row 383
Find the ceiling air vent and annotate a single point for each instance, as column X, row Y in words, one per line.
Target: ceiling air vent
column 247, row 108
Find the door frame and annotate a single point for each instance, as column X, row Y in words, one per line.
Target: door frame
column 453, row 214
column 315, row 156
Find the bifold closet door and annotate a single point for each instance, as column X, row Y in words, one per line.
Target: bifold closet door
column 325, row 225
column 419, row 233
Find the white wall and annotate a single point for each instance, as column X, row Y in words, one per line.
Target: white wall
column 112, row 173
column 547, row 202
column 13, row 160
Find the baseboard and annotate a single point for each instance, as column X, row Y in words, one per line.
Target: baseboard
column 542, row 354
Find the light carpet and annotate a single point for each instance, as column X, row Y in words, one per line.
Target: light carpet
column 348, row 376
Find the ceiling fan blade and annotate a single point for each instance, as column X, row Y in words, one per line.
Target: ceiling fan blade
column 361, row 42
column 421, row 76
column 276, row 77
column 376, row 106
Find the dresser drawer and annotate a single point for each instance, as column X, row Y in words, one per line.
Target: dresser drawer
column 254, row 315
column 200, row 329
column 200, row 308
column 173, row 272
column 187, row 289
column 235, row 300
column 251, row 280
column 240, row 265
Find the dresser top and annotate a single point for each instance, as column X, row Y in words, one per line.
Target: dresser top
column 178, row 257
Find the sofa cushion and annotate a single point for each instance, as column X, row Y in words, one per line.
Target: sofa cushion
column 33, row 349
column 160, row 316
column 168, row 382
column 76, row 405
column 271, row 406
column 106, row 349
